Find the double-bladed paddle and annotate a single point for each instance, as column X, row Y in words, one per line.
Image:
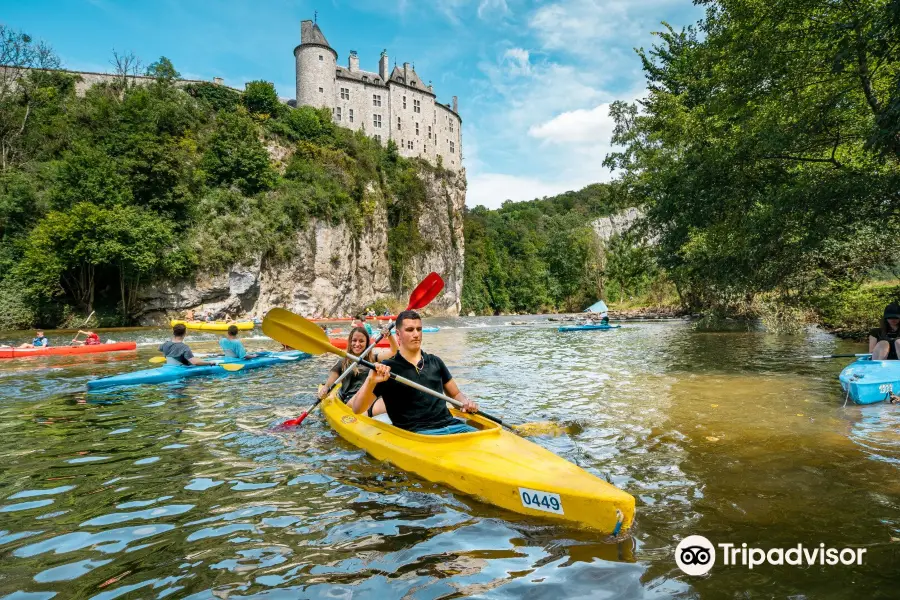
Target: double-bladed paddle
column 421, row 297
column 842, row 355
column 227, row 366
column 293, row 330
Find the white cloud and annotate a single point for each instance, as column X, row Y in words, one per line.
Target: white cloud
column 492, row 9
column 516, row 60
column 577, row 126
column 492, row 189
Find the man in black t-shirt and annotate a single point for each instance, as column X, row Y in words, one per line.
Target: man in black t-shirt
column 883, row 340
column 409, row 408
column 179, row 353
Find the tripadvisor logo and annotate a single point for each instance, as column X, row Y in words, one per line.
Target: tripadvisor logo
column 696, row 555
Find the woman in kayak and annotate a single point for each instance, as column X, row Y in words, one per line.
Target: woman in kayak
column 883, row 340
column 357, row 342
column 407, row 407
column 39, row 341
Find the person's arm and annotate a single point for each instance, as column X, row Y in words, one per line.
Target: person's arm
column 872, row 341
column 200, row 363
column 241, row 351
column 332, row 377
column 364, row 398
column 452, row 390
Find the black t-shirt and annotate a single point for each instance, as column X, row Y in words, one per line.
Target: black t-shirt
column 411, row 409
column 351, row 384
column 889, row 336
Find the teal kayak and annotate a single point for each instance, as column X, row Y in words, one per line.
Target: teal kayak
column 168, row 373
column 868, row 381
column 430, row 329
column 588, row 327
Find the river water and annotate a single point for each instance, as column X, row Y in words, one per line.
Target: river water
column 186, row 491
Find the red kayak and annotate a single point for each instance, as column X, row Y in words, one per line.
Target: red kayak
column 347, row 320
column 56, row 350
column 342, row 343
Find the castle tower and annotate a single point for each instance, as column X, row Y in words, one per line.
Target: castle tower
column 316, row 61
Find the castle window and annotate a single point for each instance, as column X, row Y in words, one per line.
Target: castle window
column 321, row 90
column 413, row 82
column 451, row 126
column 398, row 123
column 366, row 79
column 404, row 102
column 321, row 57
column 350, row 115
column 378, row 138
column 417, row 129
column 417, row 106
column 376, row 100
column 338, row 114
column 376, row 120
column 345, row 93
column 452, row 148
column 429, row 132
column 409, row 145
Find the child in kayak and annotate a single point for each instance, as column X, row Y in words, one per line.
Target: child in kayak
column 179, row 353
column 357, row 342
column 409, row 408
column 232, row 347
column 883, row 340
column 39, row 341
column 92, row 339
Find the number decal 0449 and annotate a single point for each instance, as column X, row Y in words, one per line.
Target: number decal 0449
column 538, row 500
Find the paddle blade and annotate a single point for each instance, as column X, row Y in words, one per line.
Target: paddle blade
column 232, row 366
column 295, row 422
column 296, row 332
column 539, row 428
column 426, row 291
column 158, row 359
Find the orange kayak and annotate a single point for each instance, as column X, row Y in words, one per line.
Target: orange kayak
column 342, row 343
column 63, row 350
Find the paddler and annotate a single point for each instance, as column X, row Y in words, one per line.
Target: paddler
column 92, row 339
column 232, row 347
column 360, row 321
column 179, row 353
column 409, row 408
column 39, row 341
column 357, row 342
column 883, row 340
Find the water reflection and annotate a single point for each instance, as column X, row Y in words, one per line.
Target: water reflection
column 185, row 489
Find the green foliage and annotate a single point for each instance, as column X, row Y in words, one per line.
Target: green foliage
column 260, row 98
column 163, row 70
column 852, row 310
column 236, row 156
column 539, row 255
column 766, row 152
column 217, row 97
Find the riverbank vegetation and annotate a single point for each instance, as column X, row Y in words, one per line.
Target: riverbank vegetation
column 133, row 183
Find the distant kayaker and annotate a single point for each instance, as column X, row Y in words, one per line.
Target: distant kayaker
column 360, row 321
column 883, row 340
column 179, row 353
column 409, row 408
column 232, row 347
column 357, row 342
column 92, row 339
column 39, row 341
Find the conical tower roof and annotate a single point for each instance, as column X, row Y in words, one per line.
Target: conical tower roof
column 311, row 34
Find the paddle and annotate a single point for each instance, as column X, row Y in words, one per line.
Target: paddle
column 841, row 355
column 421, row 297
column 227, row 366
column 295, row 331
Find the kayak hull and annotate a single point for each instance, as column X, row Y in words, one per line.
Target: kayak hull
column 869, row 381
column 430, row 329
column 66, row 350
column 493, row 465
column 214, row 325
column 588, row 327
column 168, row 373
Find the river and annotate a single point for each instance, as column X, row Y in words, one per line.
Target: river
column 186, row 491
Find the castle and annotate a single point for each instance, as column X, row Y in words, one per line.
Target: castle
column 395, row 106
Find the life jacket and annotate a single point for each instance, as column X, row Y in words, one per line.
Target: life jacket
column 92, row 339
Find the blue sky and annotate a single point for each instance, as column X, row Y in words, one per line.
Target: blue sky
column 534, row 77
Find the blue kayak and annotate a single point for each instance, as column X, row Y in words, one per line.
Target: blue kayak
column 588, row 327
column 868, row 381
column 430, row 329
column 175, row 372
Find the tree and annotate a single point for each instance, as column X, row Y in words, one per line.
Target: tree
column 163, row 70
column 260, row 98
column 237, row 157
column 21, row 88
column 126, row 66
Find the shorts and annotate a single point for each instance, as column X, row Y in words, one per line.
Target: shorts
column 458, row 427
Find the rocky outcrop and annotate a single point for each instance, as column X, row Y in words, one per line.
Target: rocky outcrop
column 617, row 224
column 333, row 271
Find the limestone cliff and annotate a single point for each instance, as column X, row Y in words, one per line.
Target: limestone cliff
column 333, row 270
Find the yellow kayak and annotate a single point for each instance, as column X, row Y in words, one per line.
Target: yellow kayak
column 495, row 466
column 214, row 325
